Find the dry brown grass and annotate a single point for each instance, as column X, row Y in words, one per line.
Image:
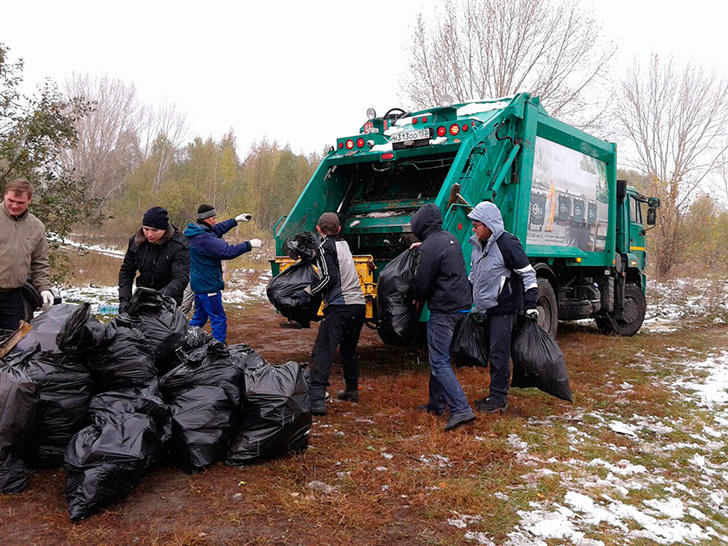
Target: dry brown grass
column 396, row 476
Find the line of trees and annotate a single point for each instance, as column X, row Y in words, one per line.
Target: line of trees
column 98, row 152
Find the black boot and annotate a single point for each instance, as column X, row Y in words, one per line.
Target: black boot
column 318, row 401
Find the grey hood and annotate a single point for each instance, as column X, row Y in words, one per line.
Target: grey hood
column 488, row 213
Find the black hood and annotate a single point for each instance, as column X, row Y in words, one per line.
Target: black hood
column 425, row 221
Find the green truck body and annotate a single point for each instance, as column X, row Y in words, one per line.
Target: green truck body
column 555, row 185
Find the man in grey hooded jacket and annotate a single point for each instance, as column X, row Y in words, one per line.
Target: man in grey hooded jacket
column 504, row 283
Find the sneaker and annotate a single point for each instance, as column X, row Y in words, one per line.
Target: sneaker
column 432, row 411
column 349, row 396
column 491, row 405
column 461, row 418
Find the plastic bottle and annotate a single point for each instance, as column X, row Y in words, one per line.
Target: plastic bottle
column 108, row 309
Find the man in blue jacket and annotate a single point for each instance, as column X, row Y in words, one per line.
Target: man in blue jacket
column 441, row 280
column 207, row 250
column 504, row 283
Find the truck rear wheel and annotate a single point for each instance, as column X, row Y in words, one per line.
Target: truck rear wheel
column 548, row 311
column 629, row 320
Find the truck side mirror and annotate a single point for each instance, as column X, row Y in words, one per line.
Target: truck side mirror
column 651, row 216
column 653, row 202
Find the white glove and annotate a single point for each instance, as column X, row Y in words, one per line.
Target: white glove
column 245, row 217
column 532, row 314
column 256, row 243
column 47, row 296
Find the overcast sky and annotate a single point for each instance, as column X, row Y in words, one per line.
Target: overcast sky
column 301, row 72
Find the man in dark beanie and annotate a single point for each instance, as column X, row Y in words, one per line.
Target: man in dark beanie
column 207, row 250
column 161, row 256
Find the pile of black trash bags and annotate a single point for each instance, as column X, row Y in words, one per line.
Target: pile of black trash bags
column 109, row 401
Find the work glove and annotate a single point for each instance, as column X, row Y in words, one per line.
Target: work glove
column 532, row 314
column 256, row 243
column 47, row 296
column 245, row 217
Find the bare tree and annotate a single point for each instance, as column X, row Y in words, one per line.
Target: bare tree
column 108, row 144
column 676, row 118
column 494, row 48
column 165, row 130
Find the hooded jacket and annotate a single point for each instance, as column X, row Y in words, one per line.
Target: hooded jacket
column 23, row 251
column 163, row 265
column 207, row 249
column 503, row 279
column 441, row 278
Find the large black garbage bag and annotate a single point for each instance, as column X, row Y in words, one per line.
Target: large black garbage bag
column 162, row 323
column 276, row 417
column 122, row 359
column 538, row 362
column 397, row 315
column 81, row 334
column 469, row 347
column 46, row 328
column 244, row 357
column 195, row 338
column 106, row 460
column 205, row 394
column 303, row 246
column 18, row 400
column 63, row 387
column 287, row 292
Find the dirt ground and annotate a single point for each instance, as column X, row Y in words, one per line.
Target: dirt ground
column 368, row 477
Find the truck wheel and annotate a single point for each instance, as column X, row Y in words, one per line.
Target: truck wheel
column 629, row 321
column 548, row 311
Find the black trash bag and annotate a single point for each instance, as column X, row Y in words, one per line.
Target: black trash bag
column 244, row 357
column 122, row 359
column 162, row 323
column 276, row 416
column 195, row 338
column 81, row 334
column 106, row 460
column 46, row 328
column 287, row 292
column 397, row 315
column 538, row 362
column 18, row 400
column 205, row 394
column 303, row 246
column 63, row 387
column 469, row 347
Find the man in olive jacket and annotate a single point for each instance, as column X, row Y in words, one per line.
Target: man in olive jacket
column 160, row 254
column 23, row 254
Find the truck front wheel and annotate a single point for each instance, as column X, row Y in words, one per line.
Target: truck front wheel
column 629, row 320
column 548, row 310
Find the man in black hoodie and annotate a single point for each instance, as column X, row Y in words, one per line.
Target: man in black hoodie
column 160, row 254
column 441, row 280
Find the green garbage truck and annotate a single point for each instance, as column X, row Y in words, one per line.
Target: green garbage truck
column 556, row 186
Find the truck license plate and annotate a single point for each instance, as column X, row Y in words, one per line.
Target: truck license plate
column 404, row 136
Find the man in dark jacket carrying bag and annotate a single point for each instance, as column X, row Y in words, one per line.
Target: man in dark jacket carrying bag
column 441, row 281
column 504, row 282
column 161, row 256
column 344, row 312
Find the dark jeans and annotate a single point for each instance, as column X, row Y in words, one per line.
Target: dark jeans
column 445, row 390
column 340, row 327
column 11, row 309
column 498, row 330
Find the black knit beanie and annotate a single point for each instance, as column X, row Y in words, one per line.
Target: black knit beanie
column 205, row 211
column 156, row 217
